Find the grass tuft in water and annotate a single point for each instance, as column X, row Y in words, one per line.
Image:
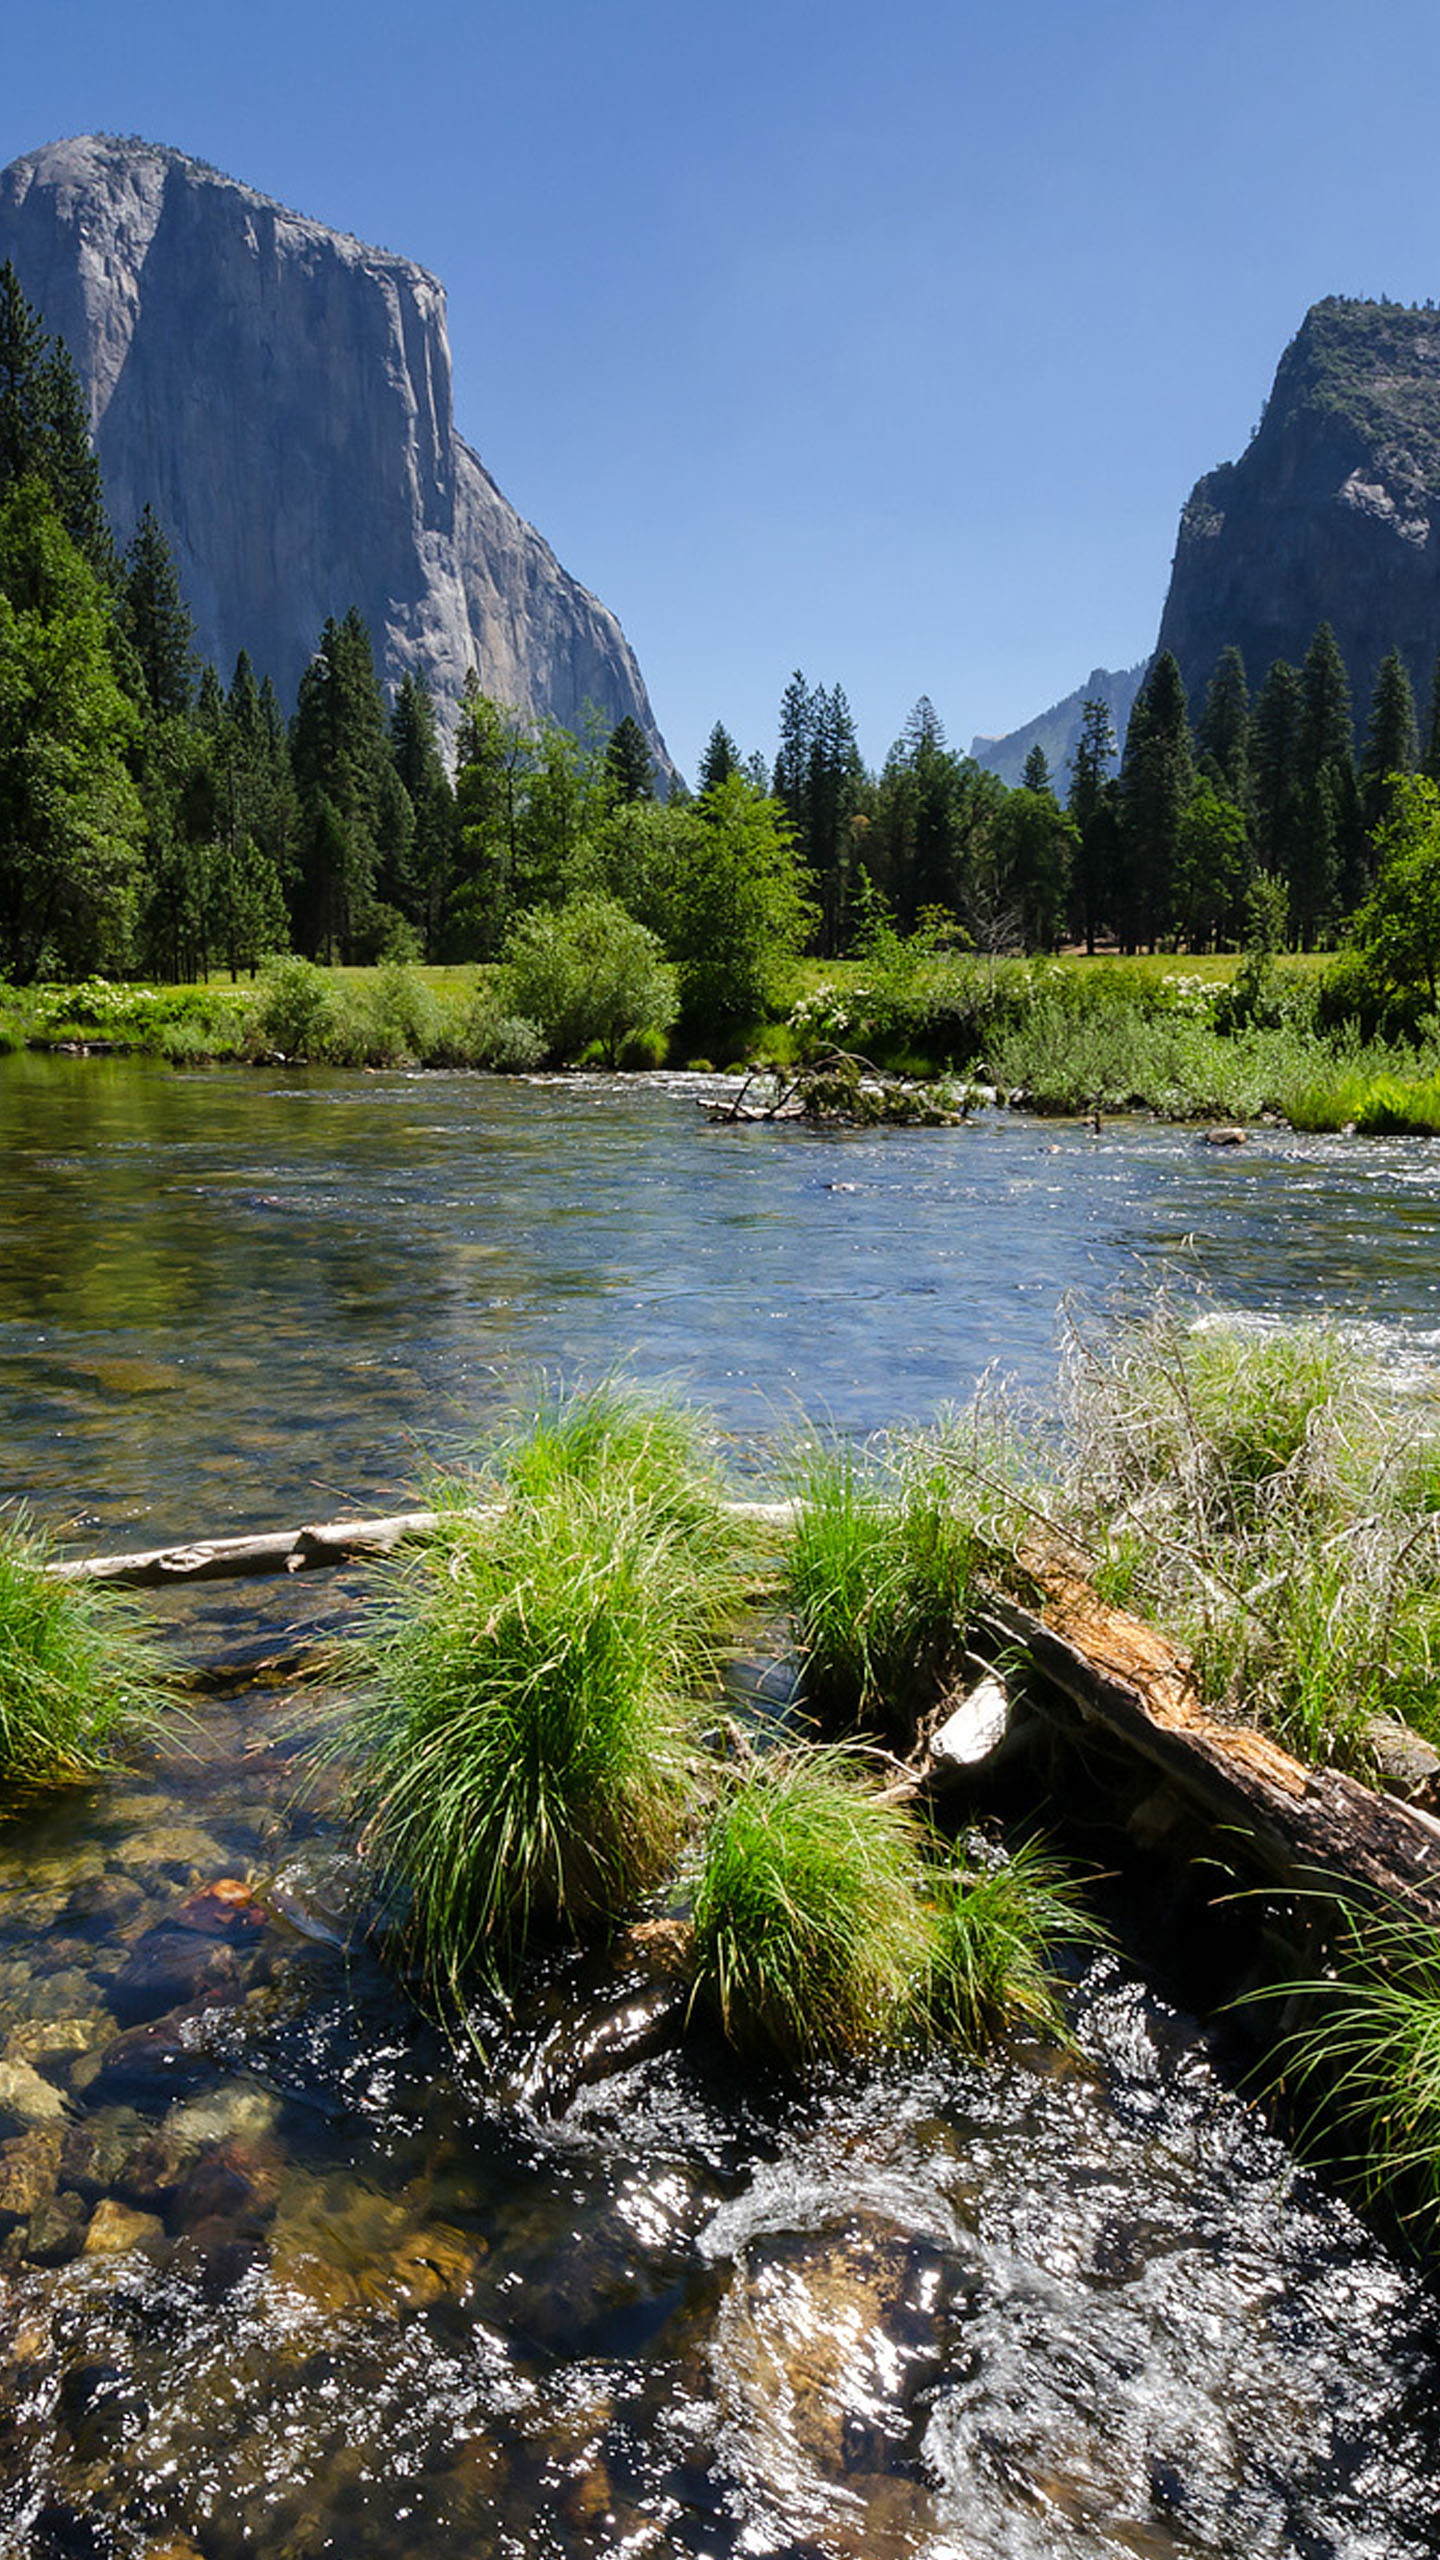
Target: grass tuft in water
column 827, row 1919
column 811, row 1926
column 614, row 1433
column 525, row 1755
column 1364, row 2071
column 997, row 1917
column 76, row 1680
column 879, row 1578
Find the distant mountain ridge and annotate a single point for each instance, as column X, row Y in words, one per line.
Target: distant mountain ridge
column 1057, row 731
column 1331, row 514
column 281, row 395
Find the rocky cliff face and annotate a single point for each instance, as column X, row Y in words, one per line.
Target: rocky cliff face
column 1333, row 513
column 1057, row 731
column 281, row 395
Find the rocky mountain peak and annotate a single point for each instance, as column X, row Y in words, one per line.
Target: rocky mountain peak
column 280, row 393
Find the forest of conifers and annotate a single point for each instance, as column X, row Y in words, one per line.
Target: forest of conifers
column 155, row 821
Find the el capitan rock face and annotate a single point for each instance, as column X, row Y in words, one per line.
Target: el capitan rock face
column 281, row 395
column 1332, row 514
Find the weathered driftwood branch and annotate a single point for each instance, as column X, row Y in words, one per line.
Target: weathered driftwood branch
column 1299, row 1825
column 308, row 1550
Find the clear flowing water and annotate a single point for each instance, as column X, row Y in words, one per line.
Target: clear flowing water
column 280, row 2274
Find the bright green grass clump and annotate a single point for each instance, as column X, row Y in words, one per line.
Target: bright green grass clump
column 525, row 1757
column 827, row 1919
column 1365, row 2070
column 612, row 1433
column 75, row 1680
column 879, row 1577
column 996, row 1920
column 812, row 1930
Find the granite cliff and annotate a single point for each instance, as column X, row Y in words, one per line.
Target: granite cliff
column 1057, row 731
column 1332, row 513
column 281, row 395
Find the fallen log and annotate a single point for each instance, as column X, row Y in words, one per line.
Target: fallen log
column 1300, row 1827
column 312, row 1549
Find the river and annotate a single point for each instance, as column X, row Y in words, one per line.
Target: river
column 342, row 2291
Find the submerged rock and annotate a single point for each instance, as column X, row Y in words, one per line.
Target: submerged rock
column 29, row 2172
column 57, row 2230
column 27, row 2099
column 115, row 2227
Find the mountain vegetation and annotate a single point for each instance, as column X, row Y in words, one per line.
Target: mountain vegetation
column 159, row 820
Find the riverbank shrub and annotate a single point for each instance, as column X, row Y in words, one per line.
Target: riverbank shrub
column 878, row 1578
column 76, row 1681
column 588, row 976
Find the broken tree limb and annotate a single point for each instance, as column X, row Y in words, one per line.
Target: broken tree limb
column 312, row 1549
column 1299, row 1826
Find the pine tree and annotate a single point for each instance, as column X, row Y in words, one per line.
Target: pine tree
column 156, row 620
column 629, row 765
column 835, row 778
column 1036, row 773
column 1327, row 725
column 1430, row 756
column 44, row 432
column 720, row 760
column 1157, row 776
column 23, row 404
column 1090, row 802
column 71, row 823
column 354, row 810
column 415, row 746
column 791, row 782
column 1392, row 742
column 494, row 751
column 1275, row 767
column 1222, row 740
column 1331, row 864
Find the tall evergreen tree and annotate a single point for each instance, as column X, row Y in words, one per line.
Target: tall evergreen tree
column 355, row 815
column 1035, row 775
column 1430, row 743
column 835, row 780
column 72, row 471
column 1222, row 740
column 23, row 406
column 44, row 433
column 1392, row 743
column 1327, row 851
column 720, row 760
column 1091, row 803
column 629, row 765
column 1157, row 776
column 791, row 782
column 71, row 823
column 1275, row 768
column 415, row 746
column 156, row 620
column 494, row 751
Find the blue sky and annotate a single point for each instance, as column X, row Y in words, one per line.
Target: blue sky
column 881, row 341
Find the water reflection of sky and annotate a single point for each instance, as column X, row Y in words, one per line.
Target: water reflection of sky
column 225, row 1296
